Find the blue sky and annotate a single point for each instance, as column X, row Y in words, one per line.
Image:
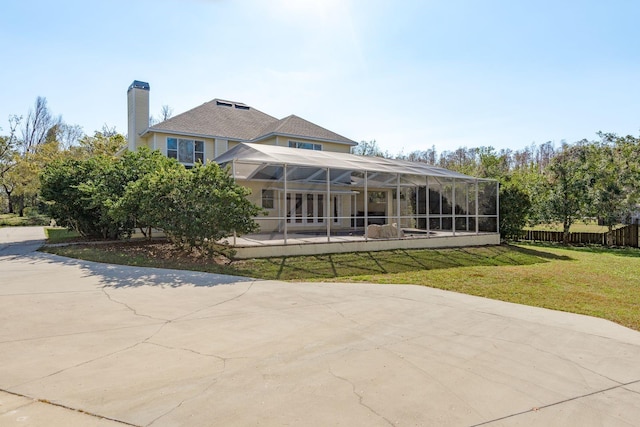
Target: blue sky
column 409, row 74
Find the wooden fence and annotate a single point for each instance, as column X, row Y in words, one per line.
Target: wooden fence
column 624, row 236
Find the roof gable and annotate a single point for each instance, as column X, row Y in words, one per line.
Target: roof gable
column 218, row 118
column 297, row 126
column 234, row 120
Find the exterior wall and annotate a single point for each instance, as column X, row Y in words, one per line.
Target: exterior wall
column 366, row 246
column 144, row 141
column 220, row 146
column 270, row 224
column 269, row 141
column 138, row 115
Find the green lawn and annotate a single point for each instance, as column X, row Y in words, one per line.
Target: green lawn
column 60, row 235
column 13, row 220
column 579, row 227
column 593, row 281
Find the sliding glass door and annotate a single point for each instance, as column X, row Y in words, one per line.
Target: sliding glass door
column 309, row 208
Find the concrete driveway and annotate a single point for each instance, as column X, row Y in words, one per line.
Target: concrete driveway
column 87, row 344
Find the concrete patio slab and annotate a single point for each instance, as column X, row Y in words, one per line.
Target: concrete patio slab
column 84, row 343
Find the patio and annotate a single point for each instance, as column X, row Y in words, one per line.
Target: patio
column 328, row 202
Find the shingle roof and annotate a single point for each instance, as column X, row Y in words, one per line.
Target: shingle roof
column 235, row 120
column 218, row 118
column 297, row 126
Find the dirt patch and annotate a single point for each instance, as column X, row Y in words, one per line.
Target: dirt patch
column 160, row 250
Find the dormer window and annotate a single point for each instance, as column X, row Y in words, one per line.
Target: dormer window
column 186, row 151
column 305, row 145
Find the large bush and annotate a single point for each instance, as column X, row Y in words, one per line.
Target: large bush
column 196, row 208
column 105, row 197
column 80, row 193
column 515, row 206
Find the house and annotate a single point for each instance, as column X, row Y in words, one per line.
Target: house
column 313, row 190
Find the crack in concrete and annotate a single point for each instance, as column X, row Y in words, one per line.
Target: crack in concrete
column 77, row 365
column 215, row 356
column 182, row 402
column 559, row 356
column 144, row 341
column 475, row 373
column 560, row 402
column 169, row 321
column 329, row 305
column 43, row 293
column 428, row 374
column 456, row 306
column 59, row 405
column 77, row 333
column 133, row 310
column 360, row 397
column 216, row 304
column 632, row 391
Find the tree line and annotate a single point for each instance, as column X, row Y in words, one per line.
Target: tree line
column 588, row 179
column 34, row 141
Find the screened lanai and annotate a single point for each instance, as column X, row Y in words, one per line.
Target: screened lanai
column 333, row 195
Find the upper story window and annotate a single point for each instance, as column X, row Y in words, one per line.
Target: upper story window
column 186, row 151
column 305, row 145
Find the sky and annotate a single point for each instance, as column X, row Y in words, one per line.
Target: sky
column 410, row 75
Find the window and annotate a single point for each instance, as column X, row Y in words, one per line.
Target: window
column 267, row 199
column 305, row 145
column 309, row 208
column 186, row 151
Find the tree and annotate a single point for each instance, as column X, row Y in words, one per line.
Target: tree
column 368, row 148
column 69, row 136
column 80, row 194
column 8, row 157
column 43, row 138
column 614, row 166
column 567, row 195
column 138, row 202
column 165, row 114
column 38, row 125
column 428, row 156
column 101, row 143
column 515, row 208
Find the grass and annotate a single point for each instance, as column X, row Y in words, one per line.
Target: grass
column 13, row 220
column 593, row 281
column 579, row 227
column 60, row 235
